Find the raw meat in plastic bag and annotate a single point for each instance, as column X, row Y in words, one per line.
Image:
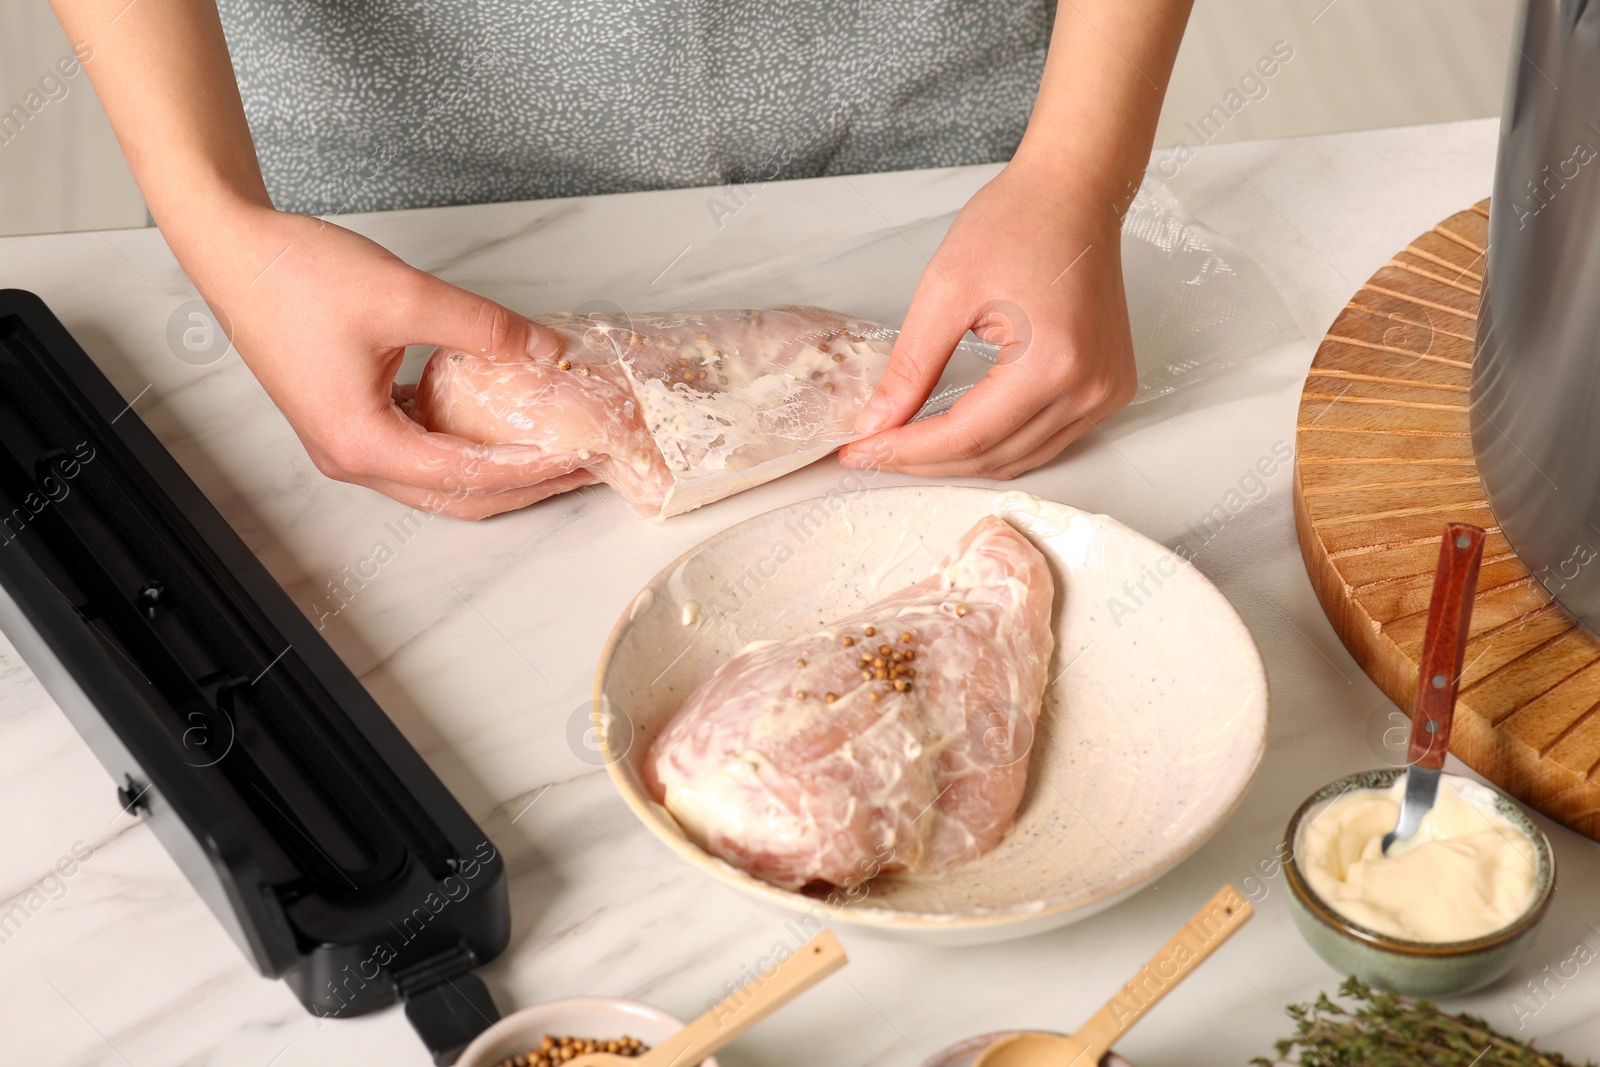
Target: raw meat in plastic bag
column 673, row 410
column 852, row 751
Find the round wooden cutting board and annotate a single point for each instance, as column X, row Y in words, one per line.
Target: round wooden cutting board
column 1383, row 461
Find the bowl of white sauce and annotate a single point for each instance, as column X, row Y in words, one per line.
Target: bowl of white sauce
column 1447, row 911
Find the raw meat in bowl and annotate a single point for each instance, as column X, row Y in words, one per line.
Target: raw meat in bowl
column 895, row 740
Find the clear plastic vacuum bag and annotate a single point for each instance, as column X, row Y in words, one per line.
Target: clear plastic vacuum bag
column 675, row 409
column 1198, row 304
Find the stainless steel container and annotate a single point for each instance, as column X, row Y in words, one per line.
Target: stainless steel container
column 1536, row 387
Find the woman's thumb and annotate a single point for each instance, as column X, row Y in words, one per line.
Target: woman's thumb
column 932, row 329
column 454, row 318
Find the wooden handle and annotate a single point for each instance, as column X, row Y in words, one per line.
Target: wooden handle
column 1209, row 927
column 1455, row 583
column 760, row 997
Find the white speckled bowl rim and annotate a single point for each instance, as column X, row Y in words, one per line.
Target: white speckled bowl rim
column 1202, row 715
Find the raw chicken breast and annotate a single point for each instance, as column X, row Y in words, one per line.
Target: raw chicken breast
column 895, row 740
column 672, row 410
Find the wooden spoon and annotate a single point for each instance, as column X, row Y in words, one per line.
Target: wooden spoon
column 733, row 1015
column 1213, row 924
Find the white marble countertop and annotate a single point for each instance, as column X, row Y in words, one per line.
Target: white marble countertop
column 480, row 640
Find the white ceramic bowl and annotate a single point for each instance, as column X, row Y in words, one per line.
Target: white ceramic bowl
column 1153, row 726
column 606, row 1017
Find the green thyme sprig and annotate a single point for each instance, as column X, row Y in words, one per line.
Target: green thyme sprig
column 1382, row 1029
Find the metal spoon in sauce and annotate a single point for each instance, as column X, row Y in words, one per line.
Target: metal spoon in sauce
column 1213, row 924
column 1444, row 642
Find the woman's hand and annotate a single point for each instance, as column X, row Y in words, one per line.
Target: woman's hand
column 322, row 316
column 1033, row 263
column 1035, row 268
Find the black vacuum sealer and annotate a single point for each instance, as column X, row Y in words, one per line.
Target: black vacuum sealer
column 319, row 838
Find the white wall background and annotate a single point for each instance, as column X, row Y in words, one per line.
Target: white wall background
column 63, row 171
column 1357, row 64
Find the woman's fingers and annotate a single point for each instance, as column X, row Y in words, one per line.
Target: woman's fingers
column 390, row 447
column 992, row 410
column 1015, row 419
column 1042, row 427
column 937, row 321
column 1052, row 447
column 443, row 314
column 479, row 506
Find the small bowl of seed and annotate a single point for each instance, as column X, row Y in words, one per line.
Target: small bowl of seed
column 550, row 1034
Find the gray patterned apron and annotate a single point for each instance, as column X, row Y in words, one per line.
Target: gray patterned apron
column 362, row 105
